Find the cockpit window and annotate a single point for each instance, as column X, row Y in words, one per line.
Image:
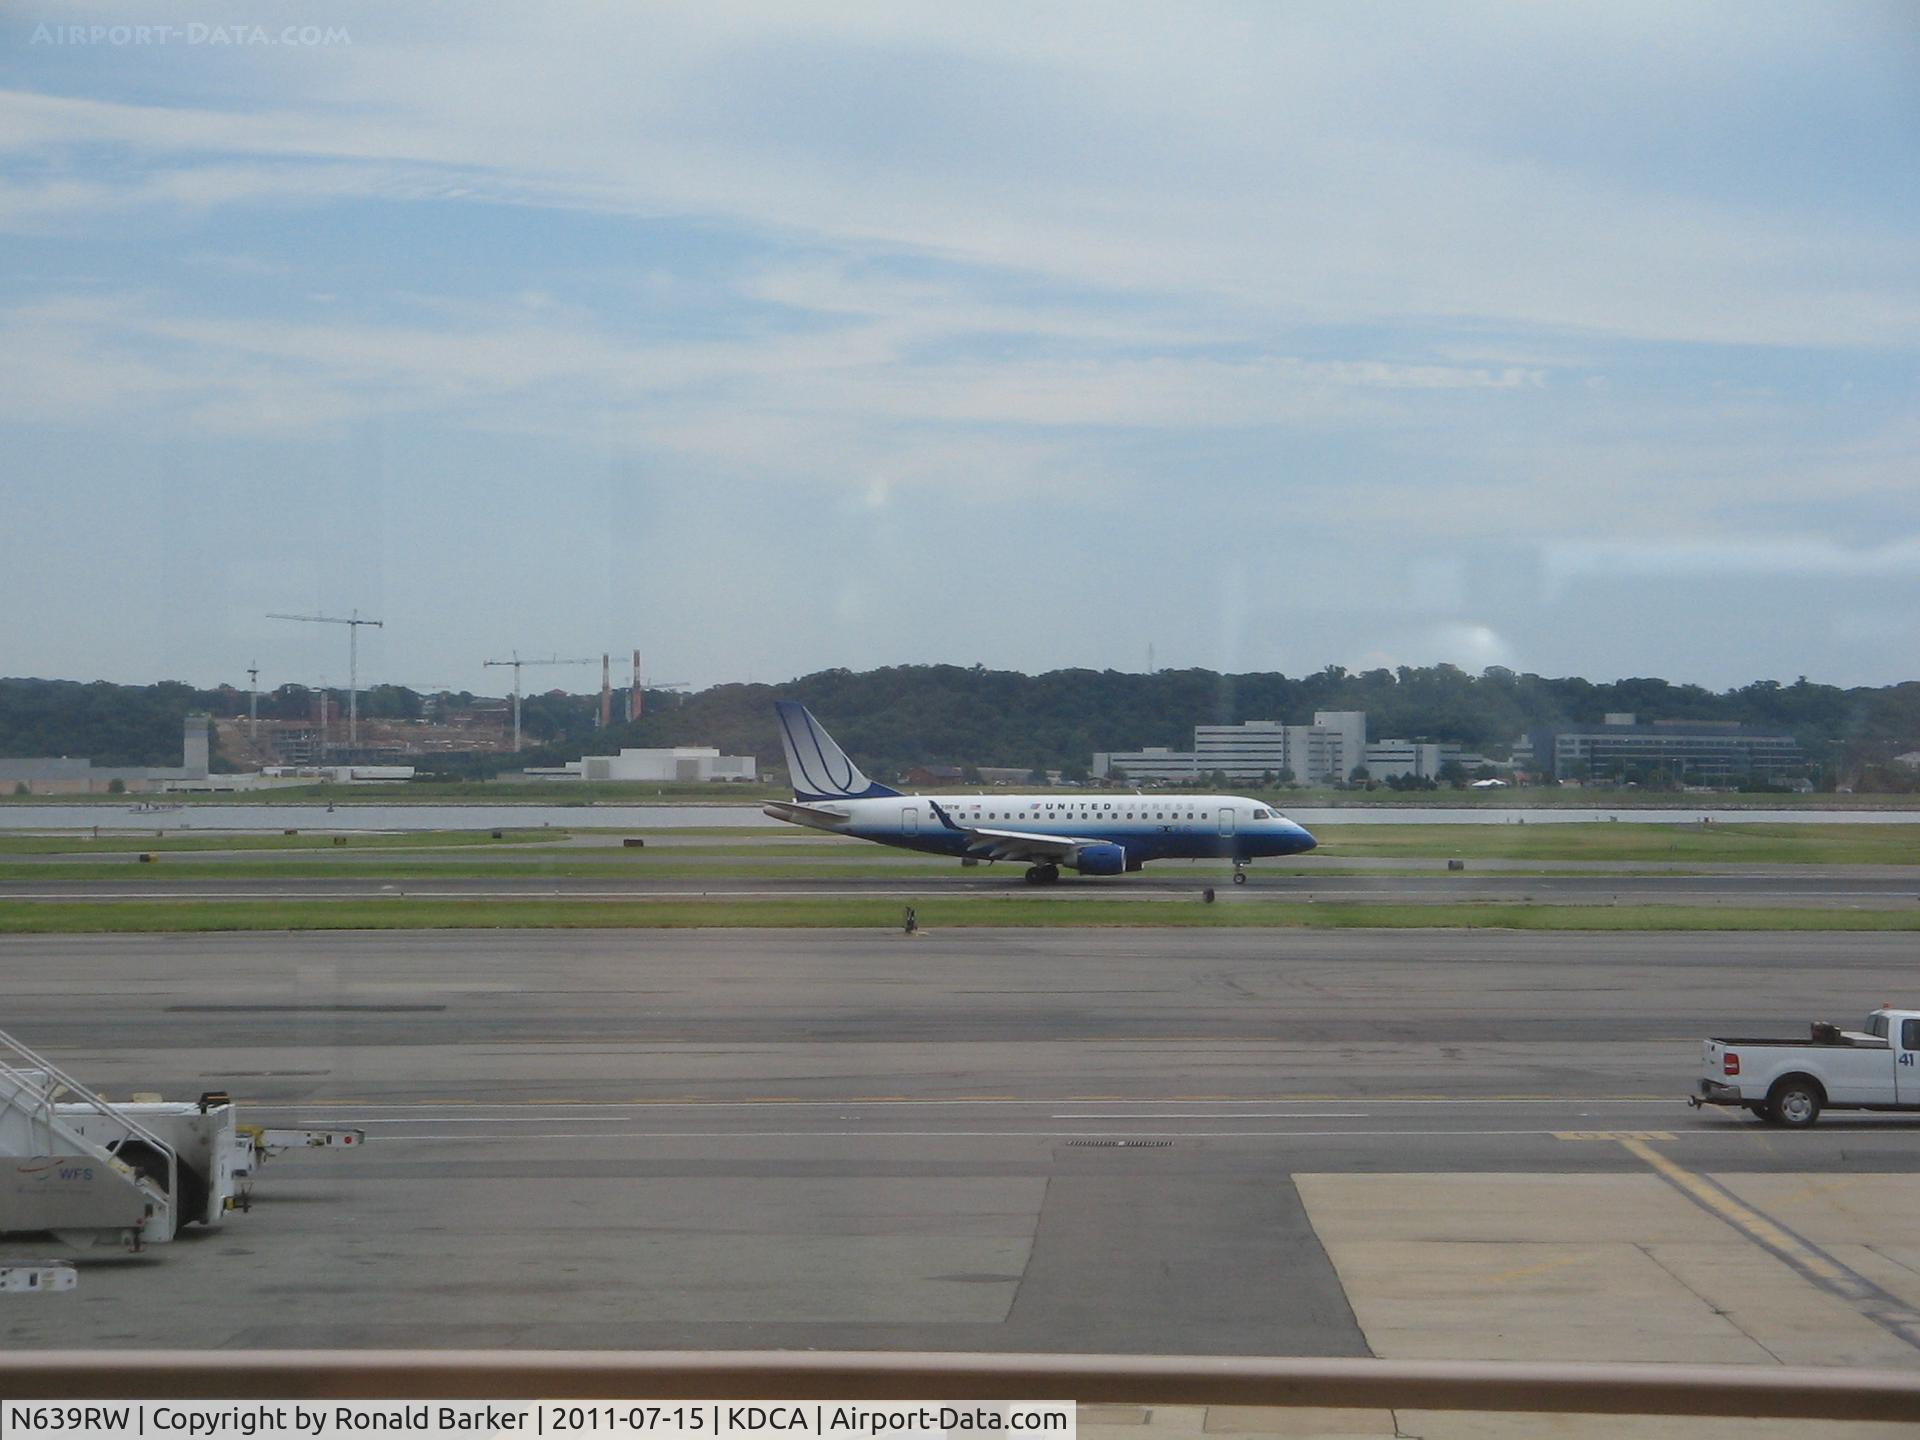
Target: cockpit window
column 1263, row 814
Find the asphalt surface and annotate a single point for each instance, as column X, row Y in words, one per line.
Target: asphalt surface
column 1775, row 886
column 979, row 1140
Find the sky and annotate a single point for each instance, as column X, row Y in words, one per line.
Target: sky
column 766, row 338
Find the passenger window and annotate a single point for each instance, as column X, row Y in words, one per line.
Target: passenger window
column 1910, row 1034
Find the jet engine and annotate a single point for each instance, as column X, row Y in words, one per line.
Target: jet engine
column 1100, row 859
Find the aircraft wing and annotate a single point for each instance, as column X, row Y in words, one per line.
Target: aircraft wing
column 799, row 814
column 1012, row 844
column 1019, row 845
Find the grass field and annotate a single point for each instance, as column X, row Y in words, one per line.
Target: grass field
column 448, row 792
column 729, row 851
column 22, row 918
column 123, row 842
column 1770, row 844
column 616, row 792
column 572, row 865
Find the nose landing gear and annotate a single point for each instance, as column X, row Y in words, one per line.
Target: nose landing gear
column 1239, row 872
column 1042, row 874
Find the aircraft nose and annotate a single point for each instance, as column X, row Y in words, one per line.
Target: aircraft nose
column 1305, row 837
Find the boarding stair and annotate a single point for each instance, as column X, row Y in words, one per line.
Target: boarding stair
column 117, row 1188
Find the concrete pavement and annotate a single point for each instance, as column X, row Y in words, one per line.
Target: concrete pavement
column 1279, row 1142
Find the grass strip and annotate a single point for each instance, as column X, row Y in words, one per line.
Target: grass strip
column 1765, row 844
column 121, row 842
column 934, row 871
column 399, row 913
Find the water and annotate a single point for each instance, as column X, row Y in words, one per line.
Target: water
column 415, row 816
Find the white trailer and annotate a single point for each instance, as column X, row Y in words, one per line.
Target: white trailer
column 1789, row 1082
column 54, row 1177
column 91, row 1171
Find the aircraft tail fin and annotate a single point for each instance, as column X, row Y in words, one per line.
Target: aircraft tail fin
column 819, row 768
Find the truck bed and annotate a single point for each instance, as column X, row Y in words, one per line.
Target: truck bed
column 1845, row 1042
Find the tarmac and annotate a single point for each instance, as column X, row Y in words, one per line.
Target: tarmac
column 1461, row 1144
column 1881, row 888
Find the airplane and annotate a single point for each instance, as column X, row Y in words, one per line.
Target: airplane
column 1106, row 834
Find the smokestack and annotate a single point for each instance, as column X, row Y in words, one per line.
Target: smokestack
column 634, row 703
column 606, row 690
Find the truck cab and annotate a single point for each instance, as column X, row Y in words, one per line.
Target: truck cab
column 1790, row 1081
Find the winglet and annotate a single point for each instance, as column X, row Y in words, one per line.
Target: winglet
column 819, row 768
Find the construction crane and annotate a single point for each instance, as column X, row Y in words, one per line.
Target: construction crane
column 353, row 624
column 253, row 701
column 516, row 662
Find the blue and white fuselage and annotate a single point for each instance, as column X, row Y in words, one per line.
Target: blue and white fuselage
column 1095, row 834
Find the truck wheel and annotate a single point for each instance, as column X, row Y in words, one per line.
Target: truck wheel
column 1796, row 1102
column 1765, row 1113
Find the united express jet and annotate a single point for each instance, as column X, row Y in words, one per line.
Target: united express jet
column 1094, row 834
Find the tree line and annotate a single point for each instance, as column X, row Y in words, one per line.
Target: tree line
column 898, row 717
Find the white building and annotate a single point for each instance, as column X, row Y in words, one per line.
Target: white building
column 1422, row 759
column 1244, row 752
column 1156, row 762
column 1328, row 750
column 681, row 764
column 1337, row 746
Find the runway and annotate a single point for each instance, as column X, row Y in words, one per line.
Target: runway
column 990, row 1139
column 1783, row 885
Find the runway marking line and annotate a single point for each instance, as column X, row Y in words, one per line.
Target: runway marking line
column 1798, row 1253
column 899, row 1100
column 1233, row 1115
column 1054, row 1135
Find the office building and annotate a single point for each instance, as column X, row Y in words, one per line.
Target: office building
column 1691, row 752
column 1328, row 750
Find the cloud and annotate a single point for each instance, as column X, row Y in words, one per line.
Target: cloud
column 1569, row 563
column 106, row 353
column 1158, row 156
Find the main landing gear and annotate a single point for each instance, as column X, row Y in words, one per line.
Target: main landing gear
column 1042, row 874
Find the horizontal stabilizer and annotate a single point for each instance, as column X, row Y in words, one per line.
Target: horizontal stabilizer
column 800, row 814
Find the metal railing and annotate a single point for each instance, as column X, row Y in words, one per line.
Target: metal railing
column 37, row 1102
column 1756, row 1391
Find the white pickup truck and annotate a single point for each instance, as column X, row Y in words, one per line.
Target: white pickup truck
column 1789, row 1082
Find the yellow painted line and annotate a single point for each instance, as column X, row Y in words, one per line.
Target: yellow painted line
column 1620, row 1135
column 1545, row 1267
column 1744, row 1218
